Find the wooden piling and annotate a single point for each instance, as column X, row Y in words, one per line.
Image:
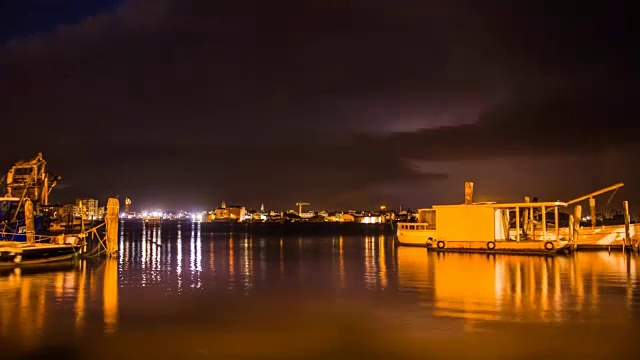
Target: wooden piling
column 544, row 224
column 111, row 224
column 517, row 224
column 572, row 230
column 592, row 208
column 557, row 220
column 577, row 215
column 525, row 221
column 29, row 223
column 627, row 234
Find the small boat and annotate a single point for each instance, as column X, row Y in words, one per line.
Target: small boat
column 14, row 253
column 485, row 228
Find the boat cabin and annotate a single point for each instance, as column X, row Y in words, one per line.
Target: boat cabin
column 484, row 222
column 8, row 208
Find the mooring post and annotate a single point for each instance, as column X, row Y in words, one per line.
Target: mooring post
column 592, row 208
column 577, row 215
column 517, row 224
column 572, row 230
column 627, row 234
column 29, row 223
column 111, row 223
column 544, row 224
column 557, row 220
column 525, row 221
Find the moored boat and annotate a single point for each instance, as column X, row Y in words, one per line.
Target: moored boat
column 24, row 236
column 22, row 254
column 486, row 228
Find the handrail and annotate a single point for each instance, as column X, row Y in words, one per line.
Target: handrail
column 596, row 193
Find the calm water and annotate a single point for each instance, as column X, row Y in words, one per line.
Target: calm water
column 178, row 292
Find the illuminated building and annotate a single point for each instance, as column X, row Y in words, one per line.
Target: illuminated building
column 230, row 213
column 90, row 208
column 362, row 218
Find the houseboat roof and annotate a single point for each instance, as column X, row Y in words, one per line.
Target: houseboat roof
column 510, row 205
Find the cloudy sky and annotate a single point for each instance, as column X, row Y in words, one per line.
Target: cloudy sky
column 184, row 103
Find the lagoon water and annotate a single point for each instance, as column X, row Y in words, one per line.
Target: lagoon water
column 179, row 291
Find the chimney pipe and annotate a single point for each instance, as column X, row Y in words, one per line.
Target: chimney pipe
column 468, row 193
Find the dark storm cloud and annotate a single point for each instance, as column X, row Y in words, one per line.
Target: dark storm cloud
column 254, row 99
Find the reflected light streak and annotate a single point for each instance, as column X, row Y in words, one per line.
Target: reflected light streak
column 231, row 265
column 110, row 296
column 281, row 261
column 25, row 312
column 212, row 266
column 121, row 253
column 500, row 283
column 545, row 287
column 192, row 252
column 245, row 266
column 179, row 258
column 154, row 260
column 143, row 246
column 557, row 296
column 59, row 285
column 341, row 271
column 80, row 298
column 263, row 261
column 369, row 267
column 198, row 250
column 196, row 256
column 40, row 313
column 383, row 263
column 518, row 298
column 532, row 283
column 125, row 254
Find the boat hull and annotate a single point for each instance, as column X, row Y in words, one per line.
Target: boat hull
column 16, row 231
column 22, row 255
column 494, row 247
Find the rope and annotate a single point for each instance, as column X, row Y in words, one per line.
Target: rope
column 611, row 198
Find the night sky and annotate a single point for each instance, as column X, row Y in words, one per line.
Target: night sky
column 344, row 104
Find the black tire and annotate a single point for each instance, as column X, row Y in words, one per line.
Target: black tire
column 548, row 246
column 440, row 244
column 491, row 245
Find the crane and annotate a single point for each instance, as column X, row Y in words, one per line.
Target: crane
column 300, row 204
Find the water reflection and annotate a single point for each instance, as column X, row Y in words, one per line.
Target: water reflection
column 518, row 288
column 110, row 295
column 35, row 309
column 182, row 260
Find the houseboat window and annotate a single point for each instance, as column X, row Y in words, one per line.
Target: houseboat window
column 412, row 227
column 420, row 227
